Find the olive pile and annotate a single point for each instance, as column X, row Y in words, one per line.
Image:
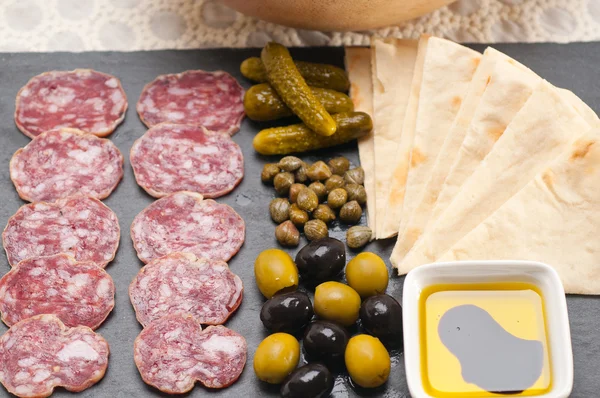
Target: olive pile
column 327, row 344
column 316, row 195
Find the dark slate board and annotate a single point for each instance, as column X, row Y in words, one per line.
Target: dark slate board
column 572, row 66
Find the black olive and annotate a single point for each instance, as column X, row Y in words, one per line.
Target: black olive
column 321, row 260
column 287, row 312
column 325, row 341
column 381, row 316
column 309, row 381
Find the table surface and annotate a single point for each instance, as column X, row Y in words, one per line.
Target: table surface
column 572, row 66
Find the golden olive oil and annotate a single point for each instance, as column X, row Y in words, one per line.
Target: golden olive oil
column 484, row 340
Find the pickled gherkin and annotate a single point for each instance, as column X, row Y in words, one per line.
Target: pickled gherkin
column 262, row 103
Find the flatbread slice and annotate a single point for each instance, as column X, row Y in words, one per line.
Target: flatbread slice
column 542, row 129
column 507, row 88
column 358, row 66
column 554, row 219
column 393, row 62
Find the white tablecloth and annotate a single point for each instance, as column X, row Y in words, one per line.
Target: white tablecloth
column 128, row 25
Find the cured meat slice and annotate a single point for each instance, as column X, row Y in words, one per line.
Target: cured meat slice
column 210, row 99
column 41, row 353
column 83, row 98
column 177, row 157
column 181, row 283
column 64, row 162
column 183, row 222
column 80, row 226
column 78, row 293
column 174, row 352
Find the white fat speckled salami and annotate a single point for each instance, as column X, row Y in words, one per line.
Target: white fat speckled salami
column 174, row 352
column 83, row 98
column 80, row 226
column 181, row 283
column 183, row 222
column 78, row 293
column 176, row 157
column 64, row 162
column 210, row 99
column 41, row 353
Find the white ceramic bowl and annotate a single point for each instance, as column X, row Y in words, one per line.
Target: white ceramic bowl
column 541, row 275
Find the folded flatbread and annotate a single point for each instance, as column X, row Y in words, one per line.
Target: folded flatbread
column 541, row 130
column 554, row 219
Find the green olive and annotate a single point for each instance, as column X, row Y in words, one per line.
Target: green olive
column 300, row 174
column 294, row 190
column 269, row 171
column 333, row 182
column 324, row 213
column 307, row 200
column 320, row 189
column 315, row 229
column 355, row 176
column 283, row 182
column 339, row 165
column 298, row 216
column 276, row 357
column 274, row 271
column 358, row 236
column 319, row 171
column 367, row 274
column 337, row 198
column 279, row 209
column 367, row 361
column 287, row 234
column 290, row 163
column 351, row 212
column 356, row 192
column 337, row 302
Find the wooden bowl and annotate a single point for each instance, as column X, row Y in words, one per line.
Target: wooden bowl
column 336, row 15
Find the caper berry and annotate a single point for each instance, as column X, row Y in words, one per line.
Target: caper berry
column 307, row 200
column 319, row 171
column 283, row 182
column 290, row 163
column 315, row 229
column 324, row 213
column 358, row 236
column 298, row 216
column 269, row 171
column 337, row 198
column 287, row 234
column 355, row 176
column 279, row 209
column 333, row 182
column 294, row 190
column 300, row 174
column 339, row 165
column 351, row 212
column 356, row 192
column 320, row 189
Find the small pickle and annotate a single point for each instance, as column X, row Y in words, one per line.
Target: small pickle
column 290, row 163
column 300, row 174
column 307, row 200
column 339, row 165
column 298, row 216
column 283, row 182
column 319, row 189
column 351, row 212
column 294, row 190
column 269, row 171
column 287, row 234
column 315, row 229
column 333, row 182
column 355, row 176
column 319, row 171
column 324, row 213
column 356, row 192
column 279, row 209
column 337, row 198
column 358, row 236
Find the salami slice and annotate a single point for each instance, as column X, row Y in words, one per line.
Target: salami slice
column 64, row 162
column 210, row 99
column 183, row 222
column 80, row 226
column 174, row 352
column 181, row 283
column 77, row 293
column 41, row 353
column 83, row 98
column 177, row 157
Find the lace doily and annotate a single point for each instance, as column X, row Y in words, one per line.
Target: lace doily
column 128, row 25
